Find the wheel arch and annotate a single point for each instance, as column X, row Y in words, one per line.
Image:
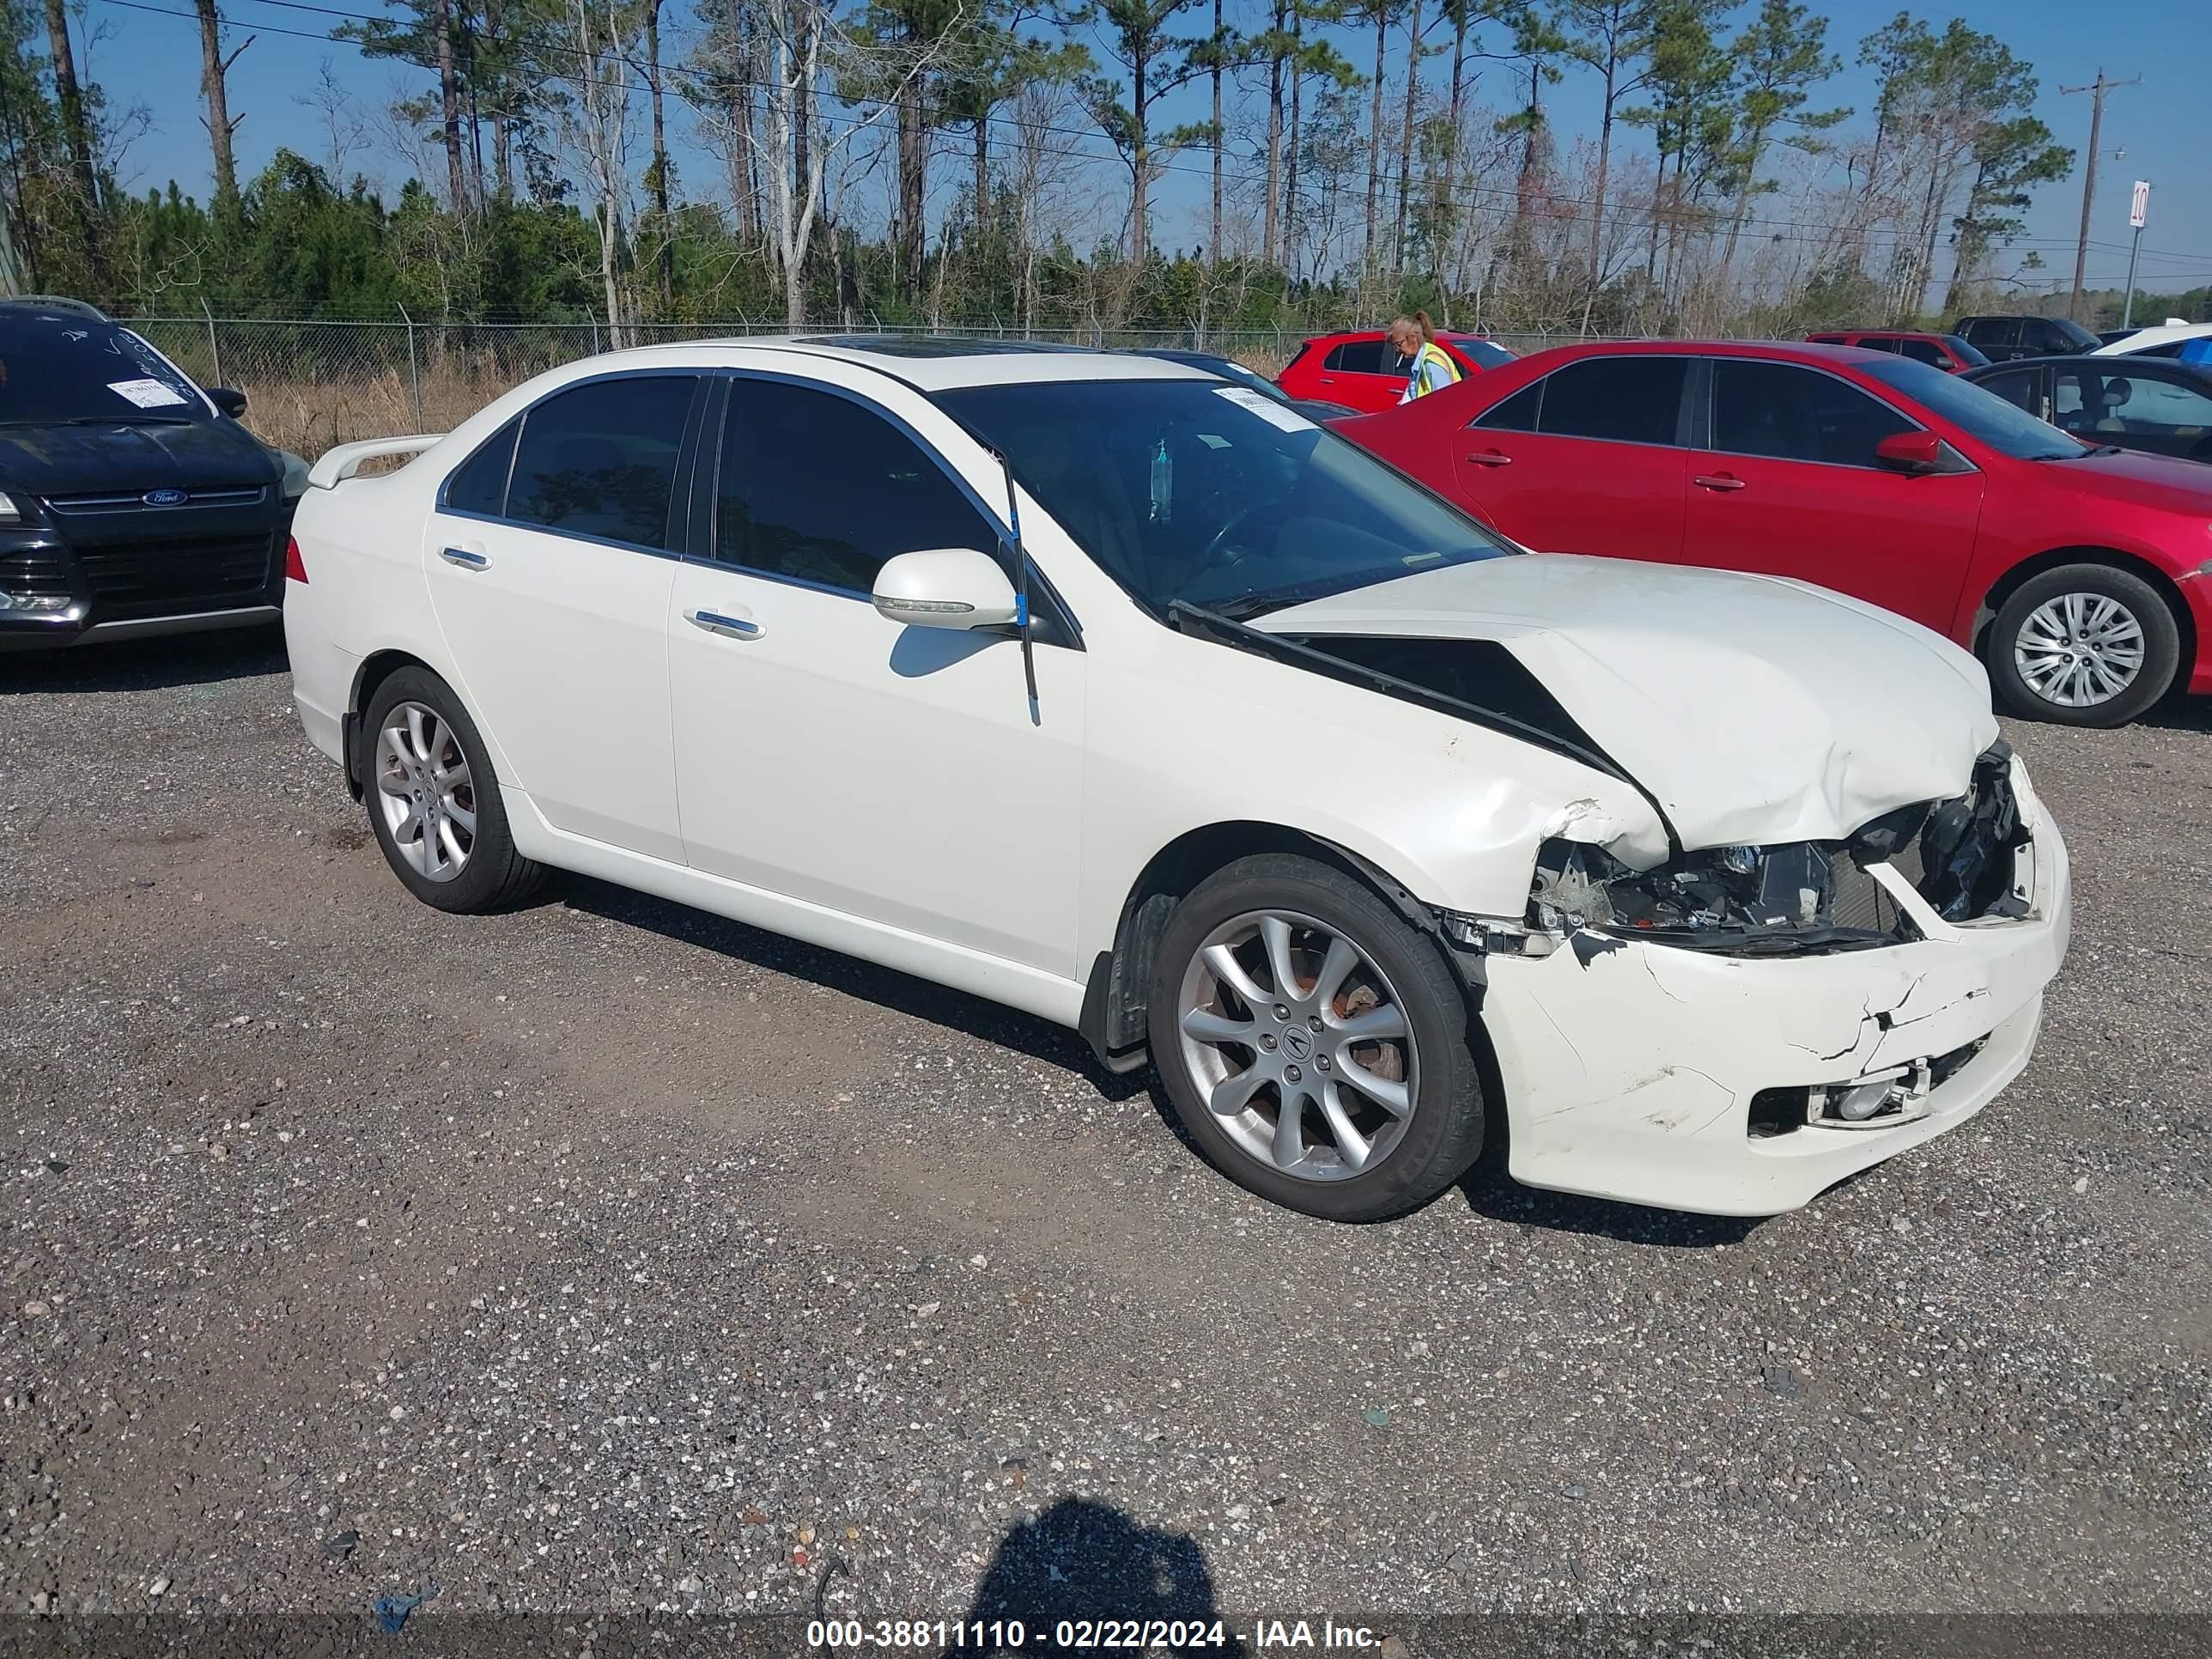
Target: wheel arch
column 2134, row 564
column 375, row 668
column 1114, row 997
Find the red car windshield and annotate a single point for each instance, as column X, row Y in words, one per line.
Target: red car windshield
column 2004, row 427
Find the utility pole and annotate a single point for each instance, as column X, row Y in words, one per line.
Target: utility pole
column 2099, row 87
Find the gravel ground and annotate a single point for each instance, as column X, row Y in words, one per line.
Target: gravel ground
column 608, row 1256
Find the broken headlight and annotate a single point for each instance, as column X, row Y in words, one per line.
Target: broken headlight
column 1785, row 894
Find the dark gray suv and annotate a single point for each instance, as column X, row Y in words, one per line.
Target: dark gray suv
column 2002, row 339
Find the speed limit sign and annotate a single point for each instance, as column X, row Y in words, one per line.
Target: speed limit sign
column 2140, row 206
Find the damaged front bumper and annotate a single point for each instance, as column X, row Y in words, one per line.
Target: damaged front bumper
column 1740, row 1085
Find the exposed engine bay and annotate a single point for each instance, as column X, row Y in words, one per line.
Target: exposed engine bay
column 1806, row 896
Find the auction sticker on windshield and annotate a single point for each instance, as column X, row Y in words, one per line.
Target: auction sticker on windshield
column 147, row 394
column 1267, row 409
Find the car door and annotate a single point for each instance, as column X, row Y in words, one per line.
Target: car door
column 1788, row 486
column 1998, row 339
column 549, row 562
column 1586, row 460
column 832, row 755
column 2024, row 384
column 1363, row 373
column 2135, row 406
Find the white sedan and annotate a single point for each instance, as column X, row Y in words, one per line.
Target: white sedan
column 1098, row 686
column 2164, row 340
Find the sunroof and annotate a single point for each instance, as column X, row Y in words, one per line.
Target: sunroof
column 927, row 345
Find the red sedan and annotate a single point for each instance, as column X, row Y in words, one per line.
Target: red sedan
column 1362, row 370
column 1944, row 351
column 2078, row 572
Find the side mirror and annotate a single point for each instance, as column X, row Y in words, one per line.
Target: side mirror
column 1910, row 453
column 231, row 403
column 955, row 588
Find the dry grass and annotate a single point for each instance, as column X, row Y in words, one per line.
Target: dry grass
column 311, row 416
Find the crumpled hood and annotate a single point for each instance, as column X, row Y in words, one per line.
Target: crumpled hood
column 1754, row 708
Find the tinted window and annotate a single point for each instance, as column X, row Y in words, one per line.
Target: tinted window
column 1829, row 339
column 62, row 366
column 479, row 484
column 2015, row 389
column 1797, row 415
column 2070, row 335
column 1888, row 343
column 1924, row 351
column 817, row 486
column 1358, row 357
column 1987, row 332
column 1518, row 413
column 1964, row 351
column 600, row 460
column 1626, row 399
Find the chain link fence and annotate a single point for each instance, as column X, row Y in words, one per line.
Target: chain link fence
column 312, row 384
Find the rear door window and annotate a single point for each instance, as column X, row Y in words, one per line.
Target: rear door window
column 1635, row 400
column 599, row 458
column 1922, row 351
column 1793, row 414
column 1357, row 358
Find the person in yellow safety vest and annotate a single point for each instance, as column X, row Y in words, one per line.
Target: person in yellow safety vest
column 1431, row 369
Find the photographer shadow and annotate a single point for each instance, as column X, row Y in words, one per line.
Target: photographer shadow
column 1085, row 1561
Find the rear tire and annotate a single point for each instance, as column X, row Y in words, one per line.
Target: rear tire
column 2066, row 635
column 1364, row 1027
column 434, row 801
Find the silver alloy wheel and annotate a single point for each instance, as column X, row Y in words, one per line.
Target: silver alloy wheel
column 425, row 791
column 1299, row 1044
column 2078, row 650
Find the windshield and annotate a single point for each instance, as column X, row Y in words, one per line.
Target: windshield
column 56, row 368
column 2004, row 427
column 1483, row 354
column 1213, row 495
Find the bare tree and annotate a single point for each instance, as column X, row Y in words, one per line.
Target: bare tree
column 343, row 129
column 598, row 38
column 215, row 68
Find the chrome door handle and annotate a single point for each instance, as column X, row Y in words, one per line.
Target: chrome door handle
column 463, row 558
column 1490, row 457
column 1722, row 483
column 734, row 627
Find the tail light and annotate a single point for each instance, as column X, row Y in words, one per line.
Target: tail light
column 294, row 571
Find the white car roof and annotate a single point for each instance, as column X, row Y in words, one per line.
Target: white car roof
column 2165, row 334
column 929, row 362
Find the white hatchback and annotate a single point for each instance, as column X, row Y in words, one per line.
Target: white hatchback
column 1094, row 685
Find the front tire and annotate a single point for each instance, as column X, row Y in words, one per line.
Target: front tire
column 2083, row 644
column 433, row 801
column 1314, row 1043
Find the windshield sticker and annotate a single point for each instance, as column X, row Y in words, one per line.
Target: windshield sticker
column 147, row 394
column 1274, row 414
column 1213, row 440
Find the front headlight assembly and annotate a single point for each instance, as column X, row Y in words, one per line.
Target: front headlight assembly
column 1803, row 896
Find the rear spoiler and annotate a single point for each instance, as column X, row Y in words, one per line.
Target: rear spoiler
column 336, row 465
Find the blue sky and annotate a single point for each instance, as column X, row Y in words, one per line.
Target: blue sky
column 146, row 58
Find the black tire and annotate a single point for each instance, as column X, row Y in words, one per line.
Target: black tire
column 2161, row 638
column 1441, row 1134
column 494, row 876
